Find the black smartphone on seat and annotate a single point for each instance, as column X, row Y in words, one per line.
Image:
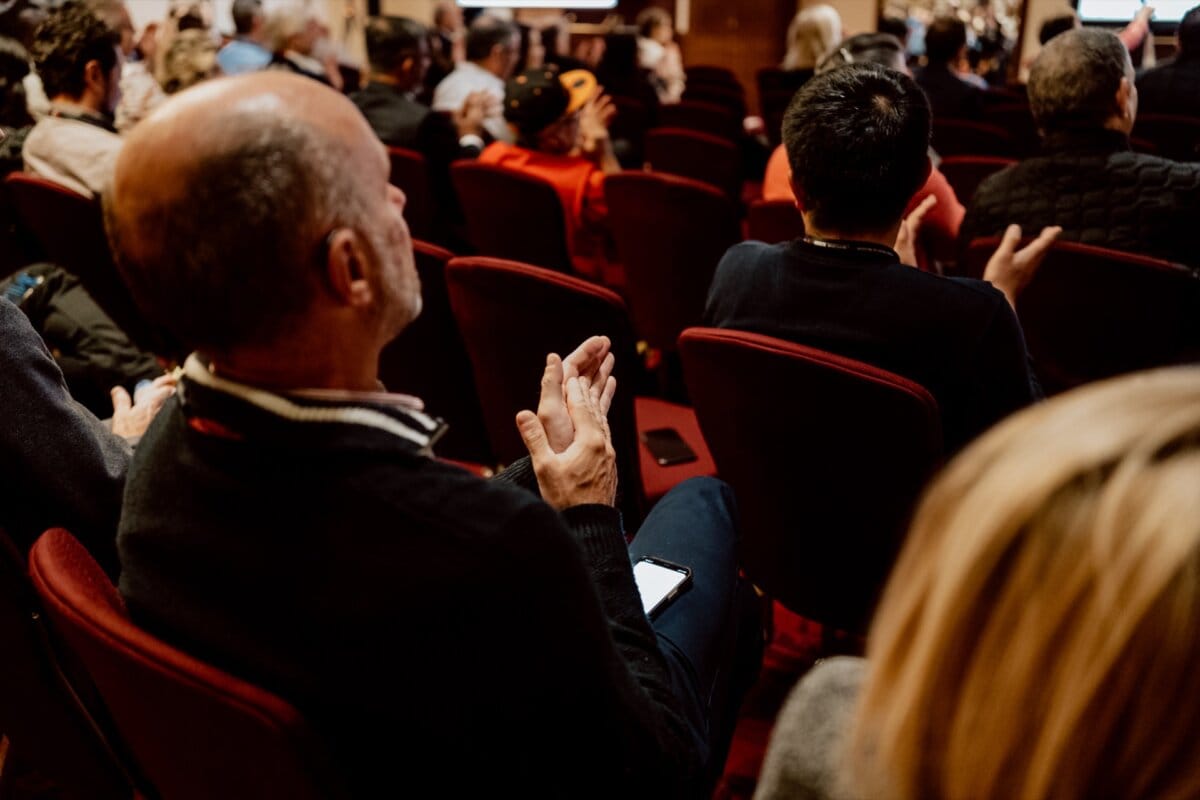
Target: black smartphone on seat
column 668, row 447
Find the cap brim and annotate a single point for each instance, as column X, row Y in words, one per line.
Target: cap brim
column 580, row 85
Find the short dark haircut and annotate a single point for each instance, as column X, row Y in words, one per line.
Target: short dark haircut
column 1054, row 26
column 944, row 39
column 895, row 26
column 244, row 13
column 857, row 140
column 1074, row 80
column 390, row 40
column 14, row 66
column 1189, row 33
column 65, row 42
column 485, row 33
column 864, row 48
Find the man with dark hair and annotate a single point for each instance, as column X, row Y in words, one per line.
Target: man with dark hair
column 76, row 55
column 857, row 140
column 493, row 49
column 950, row 96
column 398, row 53
column 1173, row 87
column 1086, row 179
column 246, row 52
column 286, row 520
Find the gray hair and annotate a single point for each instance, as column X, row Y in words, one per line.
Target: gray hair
column 1074, row 81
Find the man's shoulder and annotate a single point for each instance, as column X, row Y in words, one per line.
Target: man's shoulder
column 1154, row 171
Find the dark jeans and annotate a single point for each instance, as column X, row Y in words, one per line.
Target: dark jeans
column 710, row 634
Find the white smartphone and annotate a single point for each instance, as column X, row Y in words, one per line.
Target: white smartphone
column 659, row 582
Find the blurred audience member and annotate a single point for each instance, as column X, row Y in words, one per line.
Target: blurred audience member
column 1086, row 179
column 292, row 33
column 493, row 48
column 1038, row 637
column 246, row 53
column 79, row 61
column 1174, row 86
column 658, row 52
column 190, row 58
column 857, row 139
column 813, row 33
column 15, row 119
column 140, row 92
column 950, row 96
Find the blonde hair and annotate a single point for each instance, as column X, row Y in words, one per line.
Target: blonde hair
column 1040, row 636
column 813, row 33
column 191, row 58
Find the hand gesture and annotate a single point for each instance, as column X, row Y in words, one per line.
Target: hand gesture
column 1009, row 269
column 594, row 119
column 130, row 419
column 584, row 473
column 468, row 120
column 910, row 227
column 591, row 360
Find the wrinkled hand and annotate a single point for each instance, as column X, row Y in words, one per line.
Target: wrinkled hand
column 1009, row 269
column 468, row 120
column 584, row 473
column 910, row 228
column 591, row 360
column 594, row 119
column 130, row 419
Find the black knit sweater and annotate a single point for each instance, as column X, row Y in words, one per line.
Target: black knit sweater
column 445, row 635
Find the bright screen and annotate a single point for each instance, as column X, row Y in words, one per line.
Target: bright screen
column 654, row 582
column 566, row 4
column 1124, row 10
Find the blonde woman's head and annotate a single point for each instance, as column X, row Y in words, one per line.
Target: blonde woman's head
column 190, row 58
column 813, row 33
column 1040, row 636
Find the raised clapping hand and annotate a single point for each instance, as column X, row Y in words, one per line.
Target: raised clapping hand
column 910, row 227
column 568, row 438
column 1009, row 269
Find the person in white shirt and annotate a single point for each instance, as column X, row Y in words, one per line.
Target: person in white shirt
column 493, row 48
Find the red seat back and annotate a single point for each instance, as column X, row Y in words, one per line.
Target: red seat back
column 965, row 173
column 826, row 456
column 707, row 118
column 671, row 233
column 729, row 97
column 699, row 156
column 1174, row 136
column 429, row 360
column 70, row 230
column 410, row 174
column 1017, row 120
column 957, row 137
column 512, row 215
column 774, row 221
column 1091, row 313
column 195, row 731
column 511, row 315
column 50, row 728
column 713, row 75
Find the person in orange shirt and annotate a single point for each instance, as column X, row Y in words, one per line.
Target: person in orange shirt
column 561, row 125
column 939, row 226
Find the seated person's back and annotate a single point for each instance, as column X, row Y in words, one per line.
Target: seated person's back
column 1087, row 180
column 285, row 518
column 950, row 96
column 1174, row 87
column 857, row 140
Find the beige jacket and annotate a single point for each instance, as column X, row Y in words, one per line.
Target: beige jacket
column 76, row 154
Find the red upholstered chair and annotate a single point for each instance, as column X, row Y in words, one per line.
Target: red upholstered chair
column 957, row 137
column 965, row 173
column 70, row 230
column 50, row 728
column 1174, row 136
column 428, row 360
column 511, row 315
column 1091, row 313
column 195, row 731
column 1017, row 120
column 628, row 129
column 707, row 118
column 827, row 457
column 671, row 233
column 512, row 215
column 774, row 221
column 410, row 174
column 695, row 155
column 710, row 75
column 729, row 97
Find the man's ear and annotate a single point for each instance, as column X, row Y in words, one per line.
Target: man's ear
column 94, row 76
column 1124, row 94
column 346, row 268
column 797, row 192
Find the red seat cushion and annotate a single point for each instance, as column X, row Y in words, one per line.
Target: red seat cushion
column 654, row 413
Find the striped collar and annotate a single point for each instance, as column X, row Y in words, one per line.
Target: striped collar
column 406, row 421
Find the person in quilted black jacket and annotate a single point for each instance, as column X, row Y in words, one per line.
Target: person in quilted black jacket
column 1086, row 179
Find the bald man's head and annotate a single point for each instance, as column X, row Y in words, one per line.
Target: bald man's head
column 223, row 200
column 1075, row 80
